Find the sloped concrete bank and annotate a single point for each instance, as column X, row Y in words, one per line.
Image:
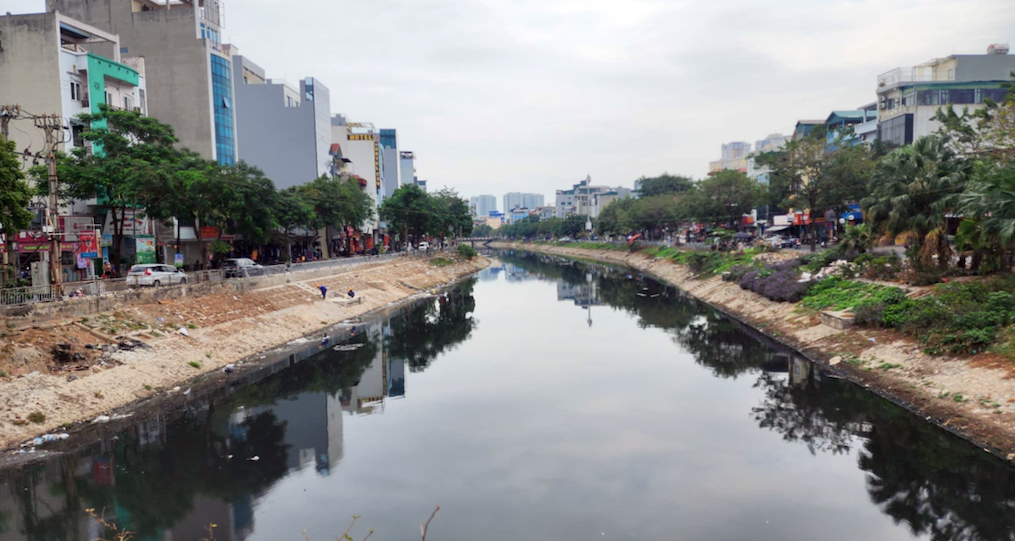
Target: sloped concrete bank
column 973, row 397
column 191, row 337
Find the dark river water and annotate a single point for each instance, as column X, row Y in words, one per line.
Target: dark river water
column 543, row 399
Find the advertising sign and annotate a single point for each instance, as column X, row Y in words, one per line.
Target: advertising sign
column 106, row 241
column 88, row 244
column 145, row 249
column 73, row 226
column 178, row 261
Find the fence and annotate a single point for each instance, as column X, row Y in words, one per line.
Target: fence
column 37, row 294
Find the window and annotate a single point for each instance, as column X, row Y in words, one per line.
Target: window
column 128, row 103
column 963, row 96
column 140, row 97
column 75, row 91
column 225, row 139
column 951, row 75
column 997, row 95
column 109, row 99
column 898, row 130
column 909, row 98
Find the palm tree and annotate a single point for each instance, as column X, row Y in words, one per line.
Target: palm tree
column 988, row 204
column 857, row 238
column 913, row 189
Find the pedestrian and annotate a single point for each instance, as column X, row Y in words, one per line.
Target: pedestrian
column 324, row 291
column 351, row 293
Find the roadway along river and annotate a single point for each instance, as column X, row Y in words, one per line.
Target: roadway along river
column 544, row 399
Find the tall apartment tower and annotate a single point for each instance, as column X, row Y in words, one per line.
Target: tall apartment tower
column 186, row 61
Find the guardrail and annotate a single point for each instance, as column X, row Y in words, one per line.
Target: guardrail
column 37, row 294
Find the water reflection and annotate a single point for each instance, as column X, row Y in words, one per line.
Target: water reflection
column 921, row 476
column 223, row 456
column 169, row 479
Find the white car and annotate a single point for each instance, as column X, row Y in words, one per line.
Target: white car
column 424, row 246
column 155, row 275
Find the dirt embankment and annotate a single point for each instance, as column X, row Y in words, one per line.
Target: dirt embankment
column 70, row 371
column 973, row 397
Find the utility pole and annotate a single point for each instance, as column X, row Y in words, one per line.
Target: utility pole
column 52, row 126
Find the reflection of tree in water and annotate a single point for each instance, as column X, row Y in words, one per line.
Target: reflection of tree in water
column 918, row 474
column 429, row 329
column 156, row 485
column 715, row 341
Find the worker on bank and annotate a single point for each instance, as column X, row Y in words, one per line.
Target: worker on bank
column 351, row 293
column 324, row 291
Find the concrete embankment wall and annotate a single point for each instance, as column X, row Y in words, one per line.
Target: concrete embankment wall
column 886, row 363
column 235, row 323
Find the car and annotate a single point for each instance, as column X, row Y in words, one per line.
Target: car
column 424, row 246
column 155, row 275
column 565, row 239
column 241, row 267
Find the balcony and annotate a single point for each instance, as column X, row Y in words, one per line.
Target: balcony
column 897, row 76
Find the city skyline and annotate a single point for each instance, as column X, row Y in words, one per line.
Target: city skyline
column 805, row 61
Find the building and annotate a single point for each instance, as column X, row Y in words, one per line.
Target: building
column 361, row 154
column 49, row 66
column 517, row 214
column 515, row 200
column 421, row 184
column 804, row 128
column 284, row 130
column 407, row 167
column 908, row 98
column 390, row 180
column 186, row 60
column 734, row 156
column 483, row 205
column 853, row 127
column 545, row 212
column 773, row 142
column 584, row 198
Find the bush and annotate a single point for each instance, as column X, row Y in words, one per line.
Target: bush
column 869, row 312
column 780, row 283
column 923, row 278
column 467, row 251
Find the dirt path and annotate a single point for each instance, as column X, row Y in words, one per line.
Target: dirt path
column 973, row 397
column 220, row 329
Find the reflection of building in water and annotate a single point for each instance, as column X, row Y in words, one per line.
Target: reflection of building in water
column 491, row 273
column 517, row 274
column 368, row 393
column 583, row 294
column 802, row 372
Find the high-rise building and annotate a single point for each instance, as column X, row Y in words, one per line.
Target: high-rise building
column 389, row 163
column 587, row 199
column 186, row 61
column 279, row 127
column 407, row 167
column 772, row 142
column 515, row 200
column 908, row 98
column 482, row 205
column 734, row 156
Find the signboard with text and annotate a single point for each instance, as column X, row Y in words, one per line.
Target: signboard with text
column 88, row 244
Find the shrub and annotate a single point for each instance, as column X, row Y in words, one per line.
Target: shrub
column 923, row 278
column 869, row 312
column 467, row 251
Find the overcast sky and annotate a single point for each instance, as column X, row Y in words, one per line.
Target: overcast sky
column 531, row 95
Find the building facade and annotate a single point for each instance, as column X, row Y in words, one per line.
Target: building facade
column 360, row 144
column 908, row 98
column 734, row 156
column 390, row 166
column 278, row 126
column 407, row 167
column 483, row 205
column 515, row 200
column 186, row 60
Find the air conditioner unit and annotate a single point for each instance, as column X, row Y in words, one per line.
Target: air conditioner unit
column 73, row 69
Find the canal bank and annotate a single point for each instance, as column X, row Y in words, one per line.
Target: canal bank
column 961, row 395
column 161, row 346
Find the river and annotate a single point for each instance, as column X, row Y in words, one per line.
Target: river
column 542, row 399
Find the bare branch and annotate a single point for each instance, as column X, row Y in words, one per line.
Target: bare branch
column 368, row 535
column 423, row 527
column 345, row 535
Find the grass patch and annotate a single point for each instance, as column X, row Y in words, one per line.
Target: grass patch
column 837, row 293
column 147, row 387
column 959, row 398
column 440, row 262
column 99, row 395
column 888, row 366
column 194, row 364
column 191, row 326
column 37, row 417
column 19, row 422
column 3, row 373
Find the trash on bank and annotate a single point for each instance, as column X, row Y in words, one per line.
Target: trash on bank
column 183, row 331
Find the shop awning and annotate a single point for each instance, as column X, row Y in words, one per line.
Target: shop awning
column 776, row 228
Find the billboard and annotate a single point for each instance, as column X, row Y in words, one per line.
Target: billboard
column 145, row 249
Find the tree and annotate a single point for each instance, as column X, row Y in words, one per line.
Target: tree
column 407, row 210
column 450, row 214
column 338, row 202
column 247, row 195
column 482, row 230
column 985, row 133
column 131, row 152
column 664, row 184
column 15, row 196
column 292, row 211
column 726, row 196
column 911, row 192
column 171, row 195
column 988, row 206
column 573, row 225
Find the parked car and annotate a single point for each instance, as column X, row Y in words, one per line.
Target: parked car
column 424, row 246
column 155, row 275
column 565, row 239
column 241, row 267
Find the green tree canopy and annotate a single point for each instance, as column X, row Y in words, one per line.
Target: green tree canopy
column 15, row 196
